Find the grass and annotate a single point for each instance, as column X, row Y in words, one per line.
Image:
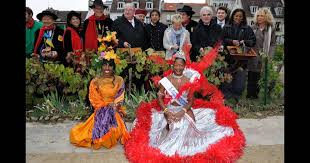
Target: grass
column 255, row 109
column 55, row 105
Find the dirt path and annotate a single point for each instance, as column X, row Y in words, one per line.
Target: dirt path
column 252, row 154
column 49, row 143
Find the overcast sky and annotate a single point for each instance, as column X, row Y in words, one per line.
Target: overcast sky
column 38, row 6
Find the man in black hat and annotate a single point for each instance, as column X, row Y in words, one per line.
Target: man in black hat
column 187, row 22
column 96, row 26
column 48, row 43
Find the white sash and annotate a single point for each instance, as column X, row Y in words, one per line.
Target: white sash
column 172, row 91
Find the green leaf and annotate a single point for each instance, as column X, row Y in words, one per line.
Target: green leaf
column 139, row 67
column 137, row 75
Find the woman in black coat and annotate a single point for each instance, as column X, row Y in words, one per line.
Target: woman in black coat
column 236, row 33
column 73, row 42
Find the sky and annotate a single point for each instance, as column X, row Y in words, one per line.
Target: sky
column 38, row 6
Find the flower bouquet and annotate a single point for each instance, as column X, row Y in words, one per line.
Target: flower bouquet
column 106, row 51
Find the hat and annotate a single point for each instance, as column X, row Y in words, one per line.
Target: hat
column 141, row 11
column 188, row 9
column 46, row 13
column 99, row 3
column 179, row 54
column 71, row 14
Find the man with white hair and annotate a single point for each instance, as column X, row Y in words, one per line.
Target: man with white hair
column 130, row 30
column 206, row 34
column 131, row 33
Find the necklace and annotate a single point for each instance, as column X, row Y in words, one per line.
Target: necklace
column 177, row 77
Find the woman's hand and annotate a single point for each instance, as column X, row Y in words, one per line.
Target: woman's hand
column 69, row 57
column 178, row 116
column 241, row 42
column 175, row 46
column 201, row 50
column 116, row 106
column 52, row 54
column 236, row 42
column 169, row 117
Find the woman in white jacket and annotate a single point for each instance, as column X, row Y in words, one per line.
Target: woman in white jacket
column 175, row 37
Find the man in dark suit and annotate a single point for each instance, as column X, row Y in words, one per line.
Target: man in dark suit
column 221, row 16
column 130, row 31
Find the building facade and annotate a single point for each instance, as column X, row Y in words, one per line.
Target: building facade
column 169, row 9
column 117, row 7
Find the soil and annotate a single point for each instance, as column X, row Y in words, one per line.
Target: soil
column 252, row 154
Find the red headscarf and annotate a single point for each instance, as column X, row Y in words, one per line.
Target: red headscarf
column 77, row 45
column 91, row 35
column 41, row 33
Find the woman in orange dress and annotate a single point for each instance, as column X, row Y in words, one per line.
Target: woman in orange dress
column 105, row 127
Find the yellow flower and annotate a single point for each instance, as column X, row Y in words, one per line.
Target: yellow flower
column 107, row 38
column 117, row 60
column 102, row 47
column 110, row 55
column 100, row 39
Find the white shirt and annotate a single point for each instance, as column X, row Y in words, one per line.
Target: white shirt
column 153, row 23
column 222, row 23
column 132, row 21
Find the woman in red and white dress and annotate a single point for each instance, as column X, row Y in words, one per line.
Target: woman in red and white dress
column 176, row 127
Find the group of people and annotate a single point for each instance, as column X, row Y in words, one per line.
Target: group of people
column 47, row 41
column 176, row 125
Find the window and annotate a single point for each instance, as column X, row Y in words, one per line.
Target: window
column 149, row 5
column 280, row 39
column 221, row 4
column 279, row 10
column 278, row 26
column 120, row 5
column 253, row 9
column 226, row 5
column 136, row 4
column 214, row 4
column 168, row 17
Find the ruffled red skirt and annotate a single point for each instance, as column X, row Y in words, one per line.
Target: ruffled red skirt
column 227, row 149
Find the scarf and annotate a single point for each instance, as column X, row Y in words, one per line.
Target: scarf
column 266, row 45
column 91, row 33
column 267, row 38
column 30, row 23
column 77, row 44
column 178, row 34
column 41, row 33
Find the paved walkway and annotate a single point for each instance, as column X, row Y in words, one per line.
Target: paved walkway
column 50, row 143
